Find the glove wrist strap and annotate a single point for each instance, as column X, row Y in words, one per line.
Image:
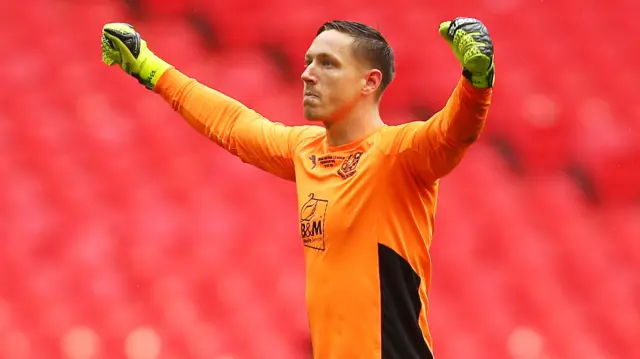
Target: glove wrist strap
column 483, row 80
column 151, row 70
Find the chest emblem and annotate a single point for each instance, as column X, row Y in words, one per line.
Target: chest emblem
column 350, row 165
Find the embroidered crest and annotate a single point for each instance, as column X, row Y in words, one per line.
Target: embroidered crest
column 350, row 165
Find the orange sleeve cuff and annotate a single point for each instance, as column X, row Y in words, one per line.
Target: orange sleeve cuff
column 482, row 95
column 170, row 83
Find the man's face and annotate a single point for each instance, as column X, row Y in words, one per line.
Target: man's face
column 333, row 78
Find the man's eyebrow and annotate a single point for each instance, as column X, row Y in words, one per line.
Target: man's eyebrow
column 320, row 55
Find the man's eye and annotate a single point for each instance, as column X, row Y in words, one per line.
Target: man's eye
column 327, row 63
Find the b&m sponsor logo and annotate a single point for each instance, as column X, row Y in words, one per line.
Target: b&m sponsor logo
column 312, row 222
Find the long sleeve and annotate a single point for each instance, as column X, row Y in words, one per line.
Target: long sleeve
column 238, row 129
column 433, row 148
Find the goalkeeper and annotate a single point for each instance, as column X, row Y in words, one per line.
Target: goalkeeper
column 366, row 190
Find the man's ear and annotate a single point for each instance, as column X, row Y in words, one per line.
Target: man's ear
column 373, row 81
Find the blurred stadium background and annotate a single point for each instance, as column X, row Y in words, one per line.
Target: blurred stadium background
column 125, row 234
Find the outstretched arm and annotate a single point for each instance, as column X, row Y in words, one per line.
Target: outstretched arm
column 238, row 129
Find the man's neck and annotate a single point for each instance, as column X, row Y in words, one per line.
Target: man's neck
column 353, row 127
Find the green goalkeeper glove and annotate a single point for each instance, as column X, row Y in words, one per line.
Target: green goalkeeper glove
column 122, row 45
column 470, row 41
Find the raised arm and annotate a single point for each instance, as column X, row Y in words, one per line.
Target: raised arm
column 432, row 149
column 238, row 129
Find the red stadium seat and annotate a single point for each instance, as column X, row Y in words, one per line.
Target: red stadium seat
column 121, row 224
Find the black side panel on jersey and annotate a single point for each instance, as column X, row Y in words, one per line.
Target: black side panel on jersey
column 402, row 337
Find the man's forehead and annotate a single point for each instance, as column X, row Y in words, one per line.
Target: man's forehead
column 331, row 42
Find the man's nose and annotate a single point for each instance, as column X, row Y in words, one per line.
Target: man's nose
column 308, row 76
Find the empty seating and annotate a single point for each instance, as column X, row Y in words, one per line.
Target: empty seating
column 125, row 234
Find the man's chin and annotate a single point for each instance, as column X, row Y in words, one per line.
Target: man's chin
column 312, row 115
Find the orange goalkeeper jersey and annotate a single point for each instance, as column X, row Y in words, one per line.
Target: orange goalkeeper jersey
column 366, row 211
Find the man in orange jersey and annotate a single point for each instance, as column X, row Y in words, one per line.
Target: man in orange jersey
column 366, row 191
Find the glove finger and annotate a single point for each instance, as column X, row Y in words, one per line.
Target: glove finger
column 444, row 30
column 130, row 41
column 126, row 34
column 115, row 43
column 106, row 42
column 120, row 27
column 477, row 62
column 475, row 47
column 109, row 55
column 113, row 49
